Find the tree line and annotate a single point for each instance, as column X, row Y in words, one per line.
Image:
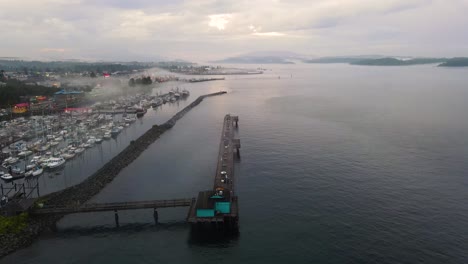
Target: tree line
column 12, row 91
column 140, row 81
column 32, row 67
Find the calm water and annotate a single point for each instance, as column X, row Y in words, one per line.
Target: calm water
column 340, row 164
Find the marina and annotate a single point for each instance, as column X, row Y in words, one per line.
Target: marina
column 37, row 144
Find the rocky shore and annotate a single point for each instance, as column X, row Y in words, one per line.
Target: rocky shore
column 81, row 193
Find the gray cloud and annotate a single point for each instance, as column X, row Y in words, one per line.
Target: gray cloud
column 209, row 29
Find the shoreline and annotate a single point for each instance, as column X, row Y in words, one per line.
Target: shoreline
column 84, row 191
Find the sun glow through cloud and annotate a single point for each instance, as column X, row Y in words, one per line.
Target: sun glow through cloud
column 219, row 21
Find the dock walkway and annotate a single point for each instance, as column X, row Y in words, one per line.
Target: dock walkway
column 103, row 207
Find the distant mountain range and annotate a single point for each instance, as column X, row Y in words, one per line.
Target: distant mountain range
column 376, row 60
column 284, row 57
column 265, row 57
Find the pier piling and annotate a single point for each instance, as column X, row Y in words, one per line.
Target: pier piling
column 116, row 215
column 155, row 216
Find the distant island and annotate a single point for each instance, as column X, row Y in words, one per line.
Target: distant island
column 255, row 60
column 342, row 59
column 455, row 62
column 376, row 60
column 398, row 62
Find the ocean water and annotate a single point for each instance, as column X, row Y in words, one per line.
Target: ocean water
column 339, row 164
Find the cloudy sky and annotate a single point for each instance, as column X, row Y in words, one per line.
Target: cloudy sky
column 211, row 29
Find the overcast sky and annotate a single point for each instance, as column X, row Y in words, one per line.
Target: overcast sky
column 209, row 29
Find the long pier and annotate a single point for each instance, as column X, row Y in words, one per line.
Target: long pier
column 219, row 207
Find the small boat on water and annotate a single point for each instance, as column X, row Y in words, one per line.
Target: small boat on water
column 140, row 112
column 115, row 131
column 69, row 155
column 6, row 177
column 33, row 173
column 53, row 163
column 107, row 135
column 38, row 171
column 79, row 150
column 45, row 147
column 11, row 160
column 185, row 93
column 25, row 153
column 17, row 170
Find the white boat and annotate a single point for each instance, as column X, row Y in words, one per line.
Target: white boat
column 45, row 147
column 35, row 159
column 6, row 176
column 30, row 167
column 79, row 150
column 86, row 145
column 35, row 172
column 98, row 140
column 68, row 156
column 17, row 170
column 11, row 160
column 54, row 143
column 38, row 171
column 107, row 135
column 55, row 162
column 25, row 153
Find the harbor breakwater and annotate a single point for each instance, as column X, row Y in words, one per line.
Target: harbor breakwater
column 82, row 192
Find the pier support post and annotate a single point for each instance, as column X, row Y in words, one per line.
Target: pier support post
column 238, row 152
column 155, row 216
column 116, row 215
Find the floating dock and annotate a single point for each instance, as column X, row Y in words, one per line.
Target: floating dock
column 219, row 207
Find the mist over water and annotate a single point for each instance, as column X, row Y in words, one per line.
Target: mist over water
column 339, row 164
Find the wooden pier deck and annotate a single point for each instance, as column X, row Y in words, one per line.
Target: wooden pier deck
column 224, row 181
